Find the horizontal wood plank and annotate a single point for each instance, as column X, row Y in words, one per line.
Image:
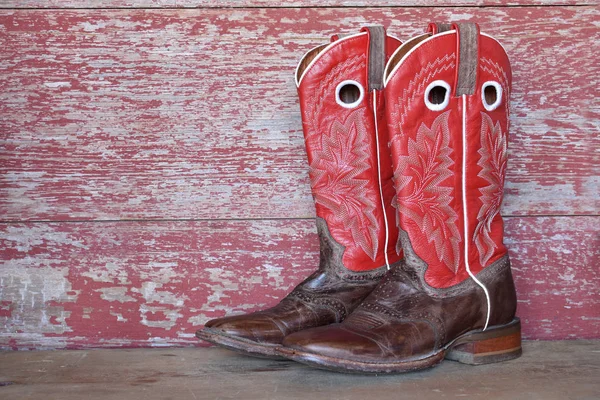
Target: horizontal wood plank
column 177, row 114
column 62, row 4
column 110, row 284
column 546, row 371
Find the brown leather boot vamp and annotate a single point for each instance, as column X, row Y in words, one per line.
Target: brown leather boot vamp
column 402, row 327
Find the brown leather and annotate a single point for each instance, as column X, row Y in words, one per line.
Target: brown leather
column 402, row 320
column 327, row 296
column 377, row 56
column 468, row 57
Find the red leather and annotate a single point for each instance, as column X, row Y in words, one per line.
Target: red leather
column 427, row 151
column 342, row 154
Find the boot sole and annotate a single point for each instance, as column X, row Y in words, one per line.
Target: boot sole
column 495, row 344
column 240, row 345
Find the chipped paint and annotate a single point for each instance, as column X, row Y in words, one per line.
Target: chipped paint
column 183, row 126
column 142, row 283
column 54, row 294
column 144, row 118
column 268, row 3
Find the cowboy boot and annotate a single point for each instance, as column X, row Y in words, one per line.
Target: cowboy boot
column 453, row 296
column 340, row 87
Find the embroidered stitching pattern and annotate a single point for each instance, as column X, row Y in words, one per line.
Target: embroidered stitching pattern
column 493, row 160
column 498, row 72
column 327, row 87
column 427, row 203
column 402, row 107
column 416, row 85
column 334, row 170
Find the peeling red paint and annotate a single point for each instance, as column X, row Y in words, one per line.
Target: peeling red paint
column 170, row 114
column 190, row 118
column 270, row 3
column 5, row 309
column 136, row 284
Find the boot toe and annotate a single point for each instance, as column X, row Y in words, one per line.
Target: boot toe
column 251, row 327
column 333, row 341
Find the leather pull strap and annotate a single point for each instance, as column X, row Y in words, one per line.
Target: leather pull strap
column 438, row 27
column 376, row 54
column 337, row 36
column 467, row 51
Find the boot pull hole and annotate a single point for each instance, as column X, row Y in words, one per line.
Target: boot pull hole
column 349, row 94
column 491, row 95
column 437, row 95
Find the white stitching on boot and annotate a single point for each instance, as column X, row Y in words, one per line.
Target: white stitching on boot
column 385, row 221
column 466, row 237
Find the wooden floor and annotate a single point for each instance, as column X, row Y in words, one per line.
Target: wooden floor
column 547, row 370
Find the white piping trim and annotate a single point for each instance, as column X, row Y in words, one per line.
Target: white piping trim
column 394, row 37
column 385, row 221
column 464, row 201
column 329, row 46
column 397, row 66
column 402, row 45
column 300, row 63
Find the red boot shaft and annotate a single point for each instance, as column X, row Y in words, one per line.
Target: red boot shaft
column 449, row 124
column 346, row 142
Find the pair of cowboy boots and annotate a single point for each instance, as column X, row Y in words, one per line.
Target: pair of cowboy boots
column 407, row 148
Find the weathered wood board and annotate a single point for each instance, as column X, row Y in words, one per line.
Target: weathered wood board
column 62, row 4
column 171, row 114
column 546, row 371
column 153, row 174
column 153, row 283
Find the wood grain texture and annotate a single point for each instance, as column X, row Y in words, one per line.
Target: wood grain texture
column 192, row 114
column 79, row 285
column 187, row 120
column 546, row 371
column 62, row 4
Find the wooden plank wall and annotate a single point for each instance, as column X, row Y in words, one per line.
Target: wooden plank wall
column 153, row 173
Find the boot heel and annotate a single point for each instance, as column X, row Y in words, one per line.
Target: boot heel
column 495, row 344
